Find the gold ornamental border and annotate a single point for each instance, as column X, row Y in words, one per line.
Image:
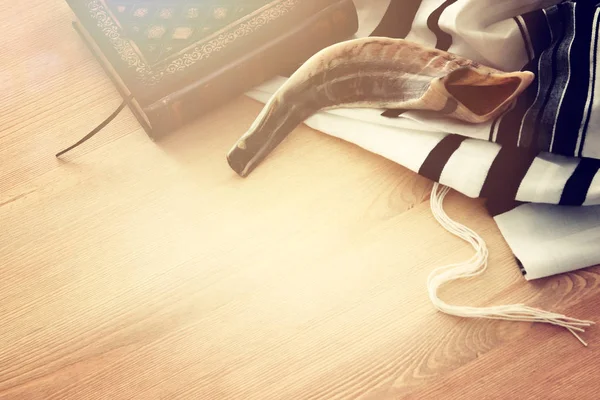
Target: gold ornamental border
column 153, row 74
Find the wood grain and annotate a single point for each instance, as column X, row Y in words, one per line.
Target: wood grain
column 142, row 270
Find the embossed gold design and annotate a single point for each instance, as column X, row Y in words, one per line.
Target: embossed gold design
column 166, row 13
column 201, row 50
column 220, row 12
column 140, row 12
column 182, row 32
column 192, row 12
column 156, row 32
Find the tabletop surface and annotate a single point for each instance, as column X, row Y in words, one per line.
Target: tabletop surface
column 135, row 269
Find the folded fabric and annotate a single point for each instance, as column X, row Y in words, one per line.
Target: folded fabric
column 537, row 165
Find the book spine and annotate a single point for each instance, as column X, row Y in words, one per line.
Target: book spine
column 281, row 55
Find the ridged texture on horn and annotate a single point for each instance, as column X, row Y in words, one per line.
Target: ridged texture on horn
column 378, row 72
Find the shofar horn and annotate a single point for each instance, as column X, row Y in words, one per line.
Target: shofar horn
column 378, row 72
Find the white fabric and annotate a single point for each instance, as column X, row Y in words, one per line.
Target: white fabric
column 466, row 158
column 419, row 32
column 551, row 240
column 595, row 124
column 594, row 193
column 370, row 13
column 592, row 143
column 484, row 30
column 546, row 177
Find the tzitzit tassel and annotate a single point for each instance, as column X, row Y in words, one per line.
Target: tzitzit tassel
column 476, row 265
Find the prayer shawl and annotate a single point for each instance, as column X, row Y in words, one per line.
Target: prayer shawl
column 537, row 165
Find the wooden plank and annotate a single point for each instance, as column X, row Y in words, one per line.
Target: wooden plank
column 135, row 269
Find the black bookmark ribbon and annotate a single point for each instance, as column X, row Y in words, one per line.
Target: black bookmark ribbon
column 98, row 128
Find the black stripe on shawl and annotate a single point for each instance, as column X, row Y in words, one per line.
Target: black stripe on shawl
column 561, row 68
column 572, row 108
column 435, row 162
column 504, row 178
column 593, row 80
column 491, row 135
column 444, row 40
column 398, row 19
column 537, row 32
column 538, row 29
column 543, row 125
column 496, row 207
column 525, row 38
column 525, row 130
column 578, row 185
column 509, row 124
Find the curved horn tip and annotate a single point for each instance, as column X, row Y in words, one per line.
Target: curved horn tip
column 238, row 160
column 527, row 76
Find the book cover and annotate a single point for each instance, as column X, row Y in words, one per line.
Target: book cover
column 174, row 60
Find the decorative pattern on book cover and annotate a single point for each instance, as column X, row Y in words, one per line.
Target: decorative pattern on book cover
column 172, row 61
column 160, row 46
column 160, row 39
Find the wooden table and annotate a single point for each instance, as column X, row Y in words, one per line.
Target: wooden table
column 135, row 269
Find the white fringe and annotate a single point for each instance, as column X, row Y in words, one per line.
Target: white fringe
column 476, row 265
